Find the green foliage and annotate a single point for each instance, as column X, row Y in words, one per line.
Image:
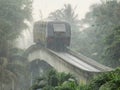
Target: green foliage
column 14, row 68
column 106, row 81
column 13, row 14
column 56, row 81
column 52, row 78
column 48, row 88
column 113, row 47
column 101, row 20
column 67, row 86
column 5, row 75
column 62, row 77
column 82, row 87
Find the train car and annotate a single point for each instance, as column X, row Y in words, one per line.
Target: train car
column 52, row 34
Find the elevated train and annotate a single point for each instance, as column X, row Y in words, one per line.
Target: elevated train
column 52, row 34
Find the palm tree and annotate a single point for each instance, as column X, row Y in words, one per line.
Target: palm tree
column 6, row 76
column 18, row 64
column 66, row 13
column 14, row 69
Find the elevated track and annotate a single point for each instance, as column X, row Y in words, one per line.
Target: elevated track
column 71, row 62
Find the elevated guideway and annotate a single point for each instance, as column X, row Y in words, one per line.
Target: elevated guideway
column 75, row 61
column 89, row 61
column 70, row 62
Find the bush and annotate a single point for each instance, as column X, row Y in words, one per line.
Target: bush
column 106, row 81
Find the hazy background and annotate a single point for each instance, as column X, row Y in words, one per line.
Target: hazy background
column 42, row 8
column 47, row 6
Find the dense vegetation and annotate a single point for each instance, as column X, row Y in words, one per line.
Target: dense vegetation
column 13, row 65
column 106, row 81
column 56, row 81
column 13, row 14
column 102, row 34
column 62, row 81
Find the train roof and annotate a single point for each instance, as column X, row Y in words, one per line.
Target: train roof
column 49, row 21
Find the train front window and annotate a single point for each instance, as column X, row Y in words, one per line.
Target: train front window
column 59, row 27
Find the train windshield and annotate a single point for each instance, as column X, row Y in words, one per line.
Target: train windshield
column 59, row 27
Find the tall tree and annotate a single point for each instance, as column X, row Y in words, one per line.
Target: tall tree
column 112, row 52
column 14, row 69
column 6, row 76
column 13, row 14
column 67, row 13
column 13, row 17
column 102, row 19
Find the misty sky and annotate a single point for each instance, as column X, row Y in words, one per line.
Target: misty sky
column 47, row 6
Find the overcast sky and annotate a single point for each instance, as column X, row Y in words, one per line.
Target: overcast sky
column 47, row 6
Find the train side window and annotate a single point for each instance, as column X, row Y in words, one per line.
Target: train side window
column 36, row 27
column 40, row 27
column 43, row 27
